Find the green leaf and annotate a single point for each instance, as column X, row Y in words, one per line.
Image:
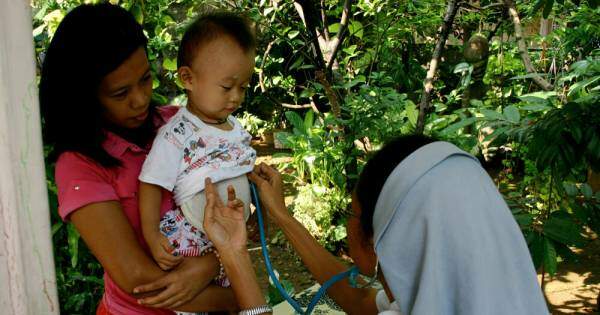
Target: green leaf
column 137, row 13
column 461, row 124
column 293, row 34
column 570, row 189
column 476, row 103
column 491, row 114
column 309, row 120
column 282, row 154
column 297, row 63
column 535, row 107
column 549, row 257
column 512, row 114
column 524, row 219
column 170, row 64
column 307, row 66
column 38, row 30
column 536, row 247
column 461, row 67
column 538, row 97
column 159, row 98
column 561, row 228
column 73, row 241
column 528, row 76
column 56, row 227
column 412, row 113
column 295, row 120
column 334, row 28
column 581, row 85
column 356, row 29
column 586, row 190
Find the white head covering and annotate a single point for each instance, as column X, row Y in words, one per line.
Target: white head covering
column 446, row 241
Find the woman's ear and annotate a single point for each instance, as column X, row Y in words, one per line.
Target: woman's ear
column 186, row 76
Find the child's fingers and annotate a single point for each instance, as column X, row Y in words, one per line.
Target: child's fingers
column 169, row 260
column 163, row 266
column 168, row 255
column 166, row 245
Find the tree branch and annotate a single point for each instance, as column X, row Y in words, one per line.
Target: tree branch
column 261, row 76
column 324, row 21
column 296, row 106
column 476, row 8
column 307, row 12
column 451, row 9
column 337, row 43
column 512, row 11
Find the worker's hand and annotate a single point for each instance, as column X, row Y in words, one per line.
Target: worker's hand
column 270, row 189
column 224, row 224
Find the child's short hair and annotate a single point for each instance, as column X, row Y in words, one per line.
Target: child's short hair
column 209, row 26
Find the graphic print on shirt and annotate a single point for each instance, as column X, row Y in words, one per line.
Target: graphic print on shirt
column 180, row 132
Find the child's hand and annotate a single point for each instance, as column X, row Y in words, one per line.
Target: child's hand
column 162, row 251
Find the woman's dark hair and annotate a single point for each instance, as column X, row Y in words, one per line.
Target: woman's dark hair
column 378, row 169
column 211, row 25
column 90, row 42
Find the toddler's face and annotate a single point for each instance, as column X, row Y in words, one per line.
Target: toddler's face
column 218, row 78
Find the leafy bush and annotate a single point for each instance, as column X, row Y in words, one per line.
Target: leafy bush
column 318, row 208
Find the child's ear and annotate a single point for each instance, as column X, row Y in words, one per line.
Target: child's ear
column 185, row 76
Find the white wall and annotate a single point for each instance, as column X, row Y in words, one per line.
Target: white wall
column 27, row 279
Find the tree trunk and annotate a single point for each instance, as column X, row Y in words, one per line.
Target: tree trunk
column 439, row 47
column 512, row 11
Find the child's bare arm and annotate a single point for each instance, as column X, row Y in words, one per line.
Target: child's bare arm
column 150, row 197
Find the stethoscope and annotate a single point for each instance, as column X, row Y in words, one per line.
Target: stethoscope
column 352, row 273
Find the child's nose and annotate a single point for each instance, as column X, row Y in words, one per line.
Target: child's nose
column 237, row 96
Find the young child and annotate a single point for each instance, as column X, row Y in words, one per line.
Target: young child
column 215, row 65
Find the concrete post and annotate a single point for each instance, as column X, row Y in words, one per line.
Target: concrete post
column 27, row 278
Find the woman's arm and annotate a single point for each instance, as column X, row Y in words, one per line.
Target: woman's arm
column 321, row 264
column 107, row 232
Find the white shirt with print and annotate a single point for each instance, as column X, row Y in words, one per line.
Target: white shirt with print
column 186, row 151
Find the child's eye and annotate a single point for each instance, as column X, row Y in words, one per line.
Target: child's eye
column 147, row 77
column 226, row 88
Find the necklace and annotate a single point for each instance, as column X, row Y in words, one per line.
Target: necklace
column 218, row 122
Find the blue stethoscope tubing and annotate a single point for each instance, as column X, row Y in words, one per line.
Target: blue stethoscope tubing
column 353, row 271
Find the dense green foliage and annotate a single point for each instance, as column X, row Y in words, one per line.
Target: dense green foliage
column 540, row 145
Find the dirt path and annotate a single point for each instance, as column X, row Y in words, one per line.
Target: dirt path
column 573, row 290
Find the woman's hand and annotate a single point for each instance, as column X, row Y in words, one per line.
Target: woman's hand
column 224, row 224
column 270, row 188
column 179, row 286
